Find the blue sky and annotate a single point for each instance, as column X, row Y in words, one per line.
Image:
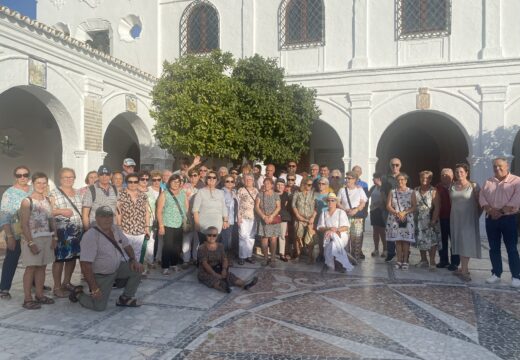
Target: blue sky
column 25, row 7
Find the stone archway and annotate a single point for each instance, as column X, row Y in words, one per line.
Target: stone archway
column 423, row 140
column 29, row 132
column 326, row 146
column 121, row 141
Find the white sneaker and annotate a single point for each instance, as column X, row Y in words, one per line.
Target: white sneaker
column 166, row 272
column 493, row 279
column 515, row 283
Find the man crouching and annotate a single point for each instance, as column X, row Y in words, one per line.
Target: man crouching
column 106, row 256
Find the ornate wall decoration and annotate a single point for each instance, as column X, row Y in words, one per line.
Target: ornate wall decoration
column 91, row 3
column 37, row 73
column 58, row 3
column 423, row 99
column 131, row 103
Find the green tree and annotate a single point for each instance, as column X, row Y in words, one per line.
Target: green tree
column 214, row 106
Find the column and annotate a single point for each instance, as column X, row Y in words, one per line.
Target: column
column 490, row 142
column 360, row 105
column 360, row 21
column 491, row 39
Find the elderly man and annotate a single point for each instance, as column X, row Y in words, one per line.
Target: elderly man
column 443, row 189
column 291, row 170
column 500, row 199
column 106, row 256
column 164, row 178
column 100, row 194
column 128, row 167
column 389, row 182
column 269, row 173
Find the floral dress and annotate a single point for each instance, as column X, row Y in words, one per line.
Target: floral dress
column 394, row 230
column 69, row 229
column 268, row 206
column 426, row 235
column 11, row 200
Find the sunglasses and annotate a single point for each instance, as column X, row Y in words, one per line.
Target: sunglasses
column 291, row 179
column 350, row 177
column 156, row 179
column 211, row 235
column 309, row 184
column 336, row 177
column 234, row 173
column 132, row 182
column 144, row 179
column 211, row 178
column 230, row 181
column 25, row 175
column 194, row 175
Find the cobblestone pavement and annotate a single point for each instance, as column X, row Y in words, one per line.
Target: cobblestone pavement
column 294, row 312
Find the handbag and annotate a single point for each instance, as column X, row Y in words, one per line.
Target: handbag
column 186, row 225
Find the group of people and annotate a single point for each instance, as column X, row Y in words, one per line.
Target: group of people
column 120, row 225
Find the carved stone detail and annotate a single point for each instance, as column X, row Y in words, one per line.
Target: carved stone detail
column 423, row 99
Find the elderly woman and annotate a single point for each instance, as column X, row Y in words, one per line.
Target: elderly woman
column 172, row 207
column 190, row 238
column 90, row 179
column 334, row 224
column 267, row 206
column 39, row 240
column 304, row 214
column 222, row 173
column 246, row 196
column 209, row 207
column 464, row 220
column 118, row 180
column 320, row 203
column 153, row 192
column 66, row 205
column 246, row 170
column 377, row 209
column 400, row 228
column 134, row 215
column 10, row 224
column 214, row 265
column 352, row 199
column 336, row 181
column 286, row 217
column 230, row 197
column 427, row 227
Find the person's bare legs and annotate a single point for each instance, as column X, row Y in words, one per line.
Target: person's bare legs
column 375, row 238
column 272, row 247
column 405, row 251
column 399, row 251
column 39, row 280
column 264, row 244
column 424, row 259
column 28, row 280
column 464, row 264
column 57, row 270
column 433, row 251
column 69, row 270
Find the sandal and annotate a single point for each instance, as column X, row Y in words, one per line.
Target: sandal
column 127, row 302
column 60, row 293
column 404, row 266
column 4, row 295
column 250, row 260
column 283, row 258
column 397, row 265
column 240, row 261
column 44, row 300
column 73, row 296
column 69, row 287
column 31, row 305
column 250, row 284
column 464, row 276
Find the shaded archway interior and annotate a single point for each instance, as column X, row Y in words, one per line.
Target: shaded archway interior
column 325, row 148
column 515, row 163
column 33, row 133
column 423, row 140
column 120, row 142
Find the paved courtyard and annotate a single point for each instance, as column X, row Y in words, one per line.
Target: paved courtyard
column 295, row 312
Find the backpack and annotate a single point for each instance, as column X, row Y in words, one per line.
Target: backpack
column 92, row 189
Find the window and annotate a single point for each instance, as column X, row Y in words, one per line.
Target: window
column 99, row 40
column 301, row 23
column 422, row 18
column 200, row 29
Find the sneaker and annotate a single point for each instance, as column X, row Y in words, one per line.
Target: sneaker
column 166, row 272
column 452, row 267
column 389, row 258
column 375, row 253
column 493, row 279
column 515, row 283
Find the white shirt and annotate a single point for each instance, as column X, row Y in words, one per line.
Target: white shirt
column 298, row 179
column 356, row 196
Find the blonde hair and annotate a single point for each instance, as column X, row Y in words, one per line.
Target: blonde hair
column 426, row 173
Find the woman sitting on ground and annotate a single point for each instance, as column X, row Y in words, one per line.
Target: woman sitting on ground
column 214, row 265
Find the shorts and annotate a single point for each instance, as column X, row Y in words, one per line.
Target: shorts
column 376, row 218
column 44, row 257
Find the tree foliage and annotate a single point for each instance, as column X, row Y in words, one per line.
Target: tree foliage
column 216, row 106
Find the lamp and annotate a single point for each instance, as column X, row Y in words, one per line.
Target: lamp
column 7, row 144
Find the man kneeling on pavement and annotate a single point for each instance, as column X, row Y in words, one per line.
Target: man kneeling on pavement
column 107, row 257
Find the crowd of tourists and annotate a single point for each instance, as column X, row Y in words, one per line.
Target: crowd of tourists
column 124, row 224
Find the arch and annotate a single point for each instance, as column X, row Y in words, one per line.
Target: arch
column 37, row 126
column 121, row 141
column 326, row 146
column 423, row 140
column 337, row 118
column 200, row 28
column 301, row 23
column 463, row 114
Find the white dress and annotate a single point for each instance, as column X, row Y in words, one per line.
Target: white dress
column 334, row 245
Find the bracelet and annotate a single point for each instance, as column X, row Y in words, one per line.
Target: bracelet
column 30, row 243
column 97, row 291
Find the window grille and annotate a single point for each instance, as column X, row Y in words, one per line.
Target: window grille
column 301, row 23
column 99, row 40
column 422, row 18
column 200, row 28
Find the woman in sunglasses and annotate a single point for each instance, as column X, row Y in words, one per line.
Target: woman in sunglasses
column 152, row 193
column 10, row 223
column 134, row 215
column 230, row 198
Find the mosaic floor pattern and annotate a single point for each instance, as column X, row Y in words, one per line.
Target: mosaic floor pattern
column 294, row 312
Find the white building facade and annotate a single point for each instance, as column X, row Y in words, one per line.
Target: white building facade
column 433, row 82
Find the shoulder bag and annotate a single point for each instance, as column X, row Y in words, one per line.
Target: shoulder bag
column 119, row 282
column 186, row 225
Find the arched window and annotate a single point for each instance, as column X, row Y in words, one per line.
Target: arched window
column 200, row 29
column 301, row 23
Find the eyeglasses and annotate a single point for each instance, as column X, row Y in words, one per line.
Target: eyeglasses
column 396, row 165
column 292, row 165
column 211, row 178
column 156, row 179
column 309, row 184
column 144, row 179
column 291, row 179
column 211, row 235
column 350, row 177
column 331, row 200
column 230, row 181
column 25, row 175
column 203, row 170
column 336, row 177
column 68, row 177
column 194, row 175
column 132, row 182
column 323, row 184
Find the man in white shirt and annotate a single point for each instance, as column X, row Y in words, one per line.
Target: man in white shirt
column 291, row 170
